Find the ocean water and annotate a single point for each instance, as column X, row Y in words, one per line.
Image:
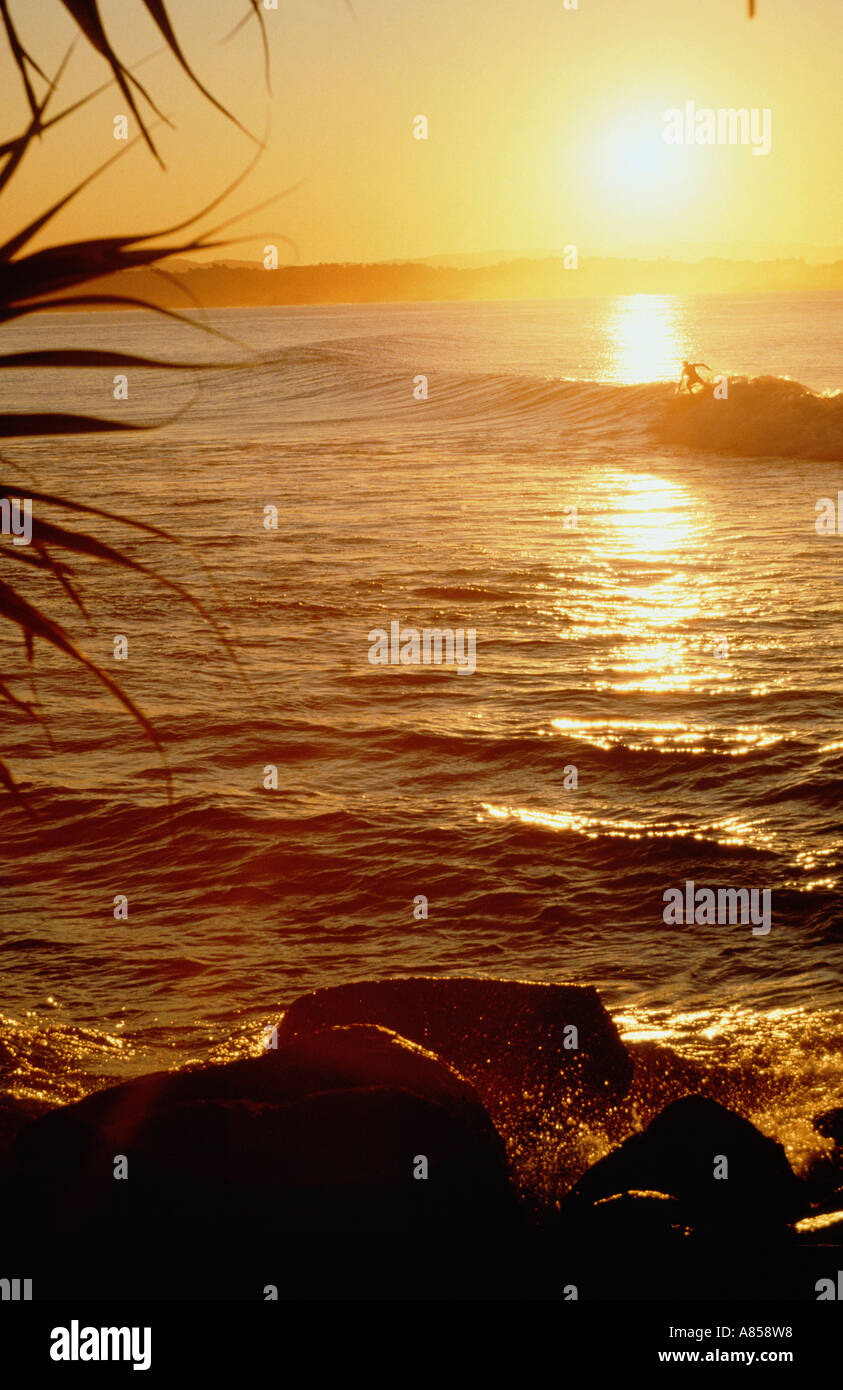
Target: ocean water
column 679, row 647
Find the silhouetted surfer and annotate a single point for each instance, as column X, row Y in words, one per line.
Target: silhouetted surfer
column 690, row 378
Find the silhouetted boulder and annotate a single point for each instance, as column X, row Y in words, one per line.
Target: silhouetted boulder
column 556, row 1042
column 629, row 1220
column 830, row 1124
column 347, row 1130
column 824, row 1225
column 681, row 1153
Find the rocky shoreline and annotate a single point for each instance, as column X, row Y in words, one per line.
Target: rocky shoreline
column 363, row 1154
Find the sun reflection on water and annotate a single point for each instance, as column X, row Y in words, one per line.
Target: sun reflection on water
column 650, row 544
column 644, row 339
column 651, row 516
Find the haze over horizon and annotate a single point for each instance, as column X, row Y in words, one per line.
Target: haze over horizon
column 565, row 147
column 810, row 255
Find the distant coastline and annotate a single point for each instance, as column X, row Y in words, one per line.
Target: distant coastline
column 245, row 285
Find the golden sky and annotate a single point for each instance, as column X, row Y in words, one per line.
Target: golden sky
column 545, row 125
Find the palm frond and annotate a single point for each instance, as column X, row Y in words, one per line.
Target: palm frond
column 88, row 20
column 254, row 12
column 33, row 623
column 159, row 15
column 24, row 426
column 56, row 277
column 87, row 16
column 16, row 794
column 22, row 58
column 98, row 357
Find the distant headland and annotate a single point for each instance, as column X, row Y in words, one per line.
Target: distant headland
column 233, row 284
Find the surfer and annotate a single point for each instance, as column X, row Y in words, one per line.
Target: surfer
column 690, row 377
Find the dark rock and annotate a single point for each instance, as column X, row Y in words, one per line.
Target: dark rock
column 677, row 1154
column 329, row 1060
column 632, row 1220
column 321, row 1135
column 314, row 1114
column 15, row 1114
column 824, row 1226
column 506, row 1036
column 830, row 1124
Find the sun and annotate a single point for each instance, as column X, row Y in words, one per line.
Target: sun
column 636, row 162
column 643, row 161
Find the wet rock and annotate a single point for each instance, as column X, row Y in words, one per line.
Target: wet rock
column 680, row 1153
column 824, row 1226
column 629, row 1220
column 15, row 1114
column 248, row 1120
column 830, row 1124
column 323, row 1135
column 506, row 1036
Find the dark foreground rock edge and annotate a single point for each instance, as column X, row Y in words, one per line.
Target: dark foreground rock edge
column 302, row 1170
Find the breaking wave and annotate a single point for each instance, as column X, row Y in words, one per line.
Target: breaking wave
column 771, row 416
column 763, row 416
